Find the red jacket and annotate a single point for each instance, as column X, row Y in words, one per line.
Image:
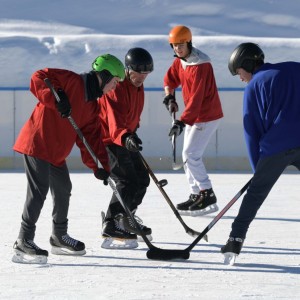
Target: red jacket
column 199, row 90
column 120, row 111
column 48, row 136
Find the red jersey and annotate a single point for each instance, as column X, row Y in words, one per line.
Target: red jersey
column 199, row 90
column 48, row 136
column 120, row 111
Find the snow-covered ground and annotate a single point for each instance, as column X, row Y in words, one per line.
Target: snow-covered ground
column 70, row 34
column 267, row 268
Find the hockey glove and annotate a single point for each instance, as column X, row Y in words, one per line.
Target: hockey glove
column 63, row 106
column 132, row 143
column 101, row 174
column 176, row 128
column 170, row 103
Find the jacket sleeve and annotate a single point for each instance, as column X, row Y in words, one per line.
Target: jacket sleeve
column 253, row 127
column 117, row 108
column 171, row 78
column 92, row 133
column 40, row 90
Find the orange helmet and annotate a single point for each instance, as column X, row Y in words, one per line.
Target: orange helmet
column 180, row 34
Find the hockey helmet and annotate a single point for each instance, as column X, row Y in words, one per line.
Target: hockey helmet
column 139, row 60
column 245, row 56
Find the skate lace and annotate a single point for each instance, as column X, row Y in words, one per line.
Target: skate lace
column 69, row 240
column 138, row 220
column 194, row 197
column 32, row 244
column 206, row 193
column 119, row 225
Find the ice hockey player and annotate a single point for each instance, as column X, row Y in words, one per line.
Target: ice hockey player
column 120, row 112
column 271, row 113
column 46, row 140
column 201, row 116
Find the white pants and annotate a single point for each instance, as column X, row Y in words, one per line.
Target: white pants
column 196, row 139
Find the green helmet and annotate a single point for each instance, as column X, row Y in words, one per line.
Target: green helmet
column 110, row 63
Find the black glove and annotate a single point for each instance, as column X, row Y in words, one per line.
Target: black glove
column 170, row 103
column 101, row 174
column 176, row 128
column 132, row 142
column 63, row 106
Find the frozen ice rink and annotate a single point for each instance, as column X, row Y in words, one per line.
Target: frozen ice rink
column 267, row 268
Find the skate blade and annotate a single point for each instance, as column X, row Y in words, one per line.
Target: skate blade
column 23, row 258
column 140, row 239
column 184, row 212
column 229, row 258
column 202, row 212
column 65, row 251
column 113, row 243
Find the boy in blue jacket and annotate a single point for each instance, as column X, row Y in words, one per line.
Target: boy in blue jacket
column 271, row 117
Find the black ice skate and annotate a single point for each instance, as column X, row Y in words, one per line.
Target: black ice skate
column 65, row 245
column 130, row 226
column 205, row 204
column 231, row 250
column 116, row 236
column 183, row 208
column 27, row 252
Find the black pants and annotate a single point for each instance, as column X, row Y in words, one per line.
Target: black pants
column 41, row 176
column 267, row 172
column 130, row 176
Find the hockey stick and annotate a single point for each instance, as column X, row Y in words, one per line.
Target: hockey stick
column 162, row 254
column 156, row 253
column 175, row 166
column 188, row 230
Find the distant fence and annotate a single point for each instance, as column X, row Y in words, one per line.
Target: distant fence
column 226, row 150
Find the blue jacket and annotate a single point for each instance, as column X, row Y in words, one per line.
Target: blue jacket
column 271, row 111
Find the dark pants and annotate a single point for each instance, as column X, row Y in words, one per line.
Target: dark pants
column 267, row 172
column 130, row 176
column 41, row 176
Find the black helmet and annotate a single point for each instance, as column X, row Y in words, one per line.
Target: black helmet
column 246, row 56
column 139, row 60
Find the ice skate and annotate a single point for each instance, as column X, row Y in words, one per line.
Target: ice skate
column 231, row 250
column 27, row 252
column 229, row 258
column 183, row 208
column 130, row 226
column 66, row 245
column 205, row 204
column 115, row 236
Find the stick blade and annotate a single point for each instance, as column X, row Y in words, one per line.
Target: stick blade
column 194, row 233
column 176, row 166
column 165, row 254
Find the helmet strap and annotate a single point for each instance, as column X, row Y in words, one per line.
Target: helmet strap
column 190, row 47
column 182, row 58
